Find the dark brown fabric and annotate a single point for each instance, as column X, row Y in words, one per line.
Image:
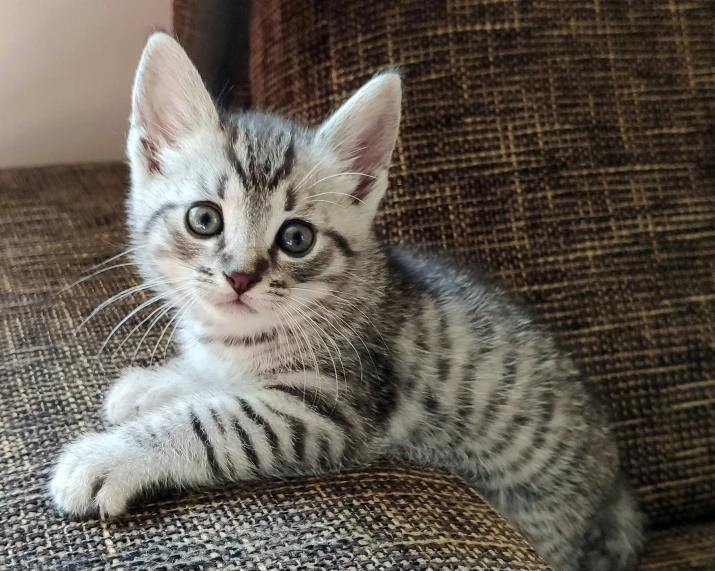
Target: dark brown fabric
column 215, row 34
column 688, row 548
column 568, row 146
column 58, row 222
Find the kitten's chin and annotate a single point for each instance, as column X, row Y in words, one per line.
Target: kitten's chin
column 237, row 307
column 230, row 315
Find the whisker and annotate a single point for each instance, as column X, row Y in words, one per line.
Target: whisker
column 134, row 312
column 90, row 276
column 167, row 309
column 337, row 175
column 121, row 295
column 352, row 197
column 166, row 327
column 298, row 187
column 328, row 202
column 352, row 305
column 309, row 345
column 335, row 345
column 179, row 313
column 124, row 253
column 142, row 322
column 286, row 315
column 147, row 318
column 344, row 336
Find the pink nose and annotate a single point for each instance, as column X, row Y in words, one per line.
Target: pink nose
column 241, row 282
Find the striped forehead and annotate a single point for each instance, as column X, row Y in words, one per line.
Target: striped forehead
column 261, row 152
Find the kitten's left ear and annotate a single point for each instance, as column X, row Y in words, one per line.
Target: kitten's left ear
column 169, row 99
column 363, row 132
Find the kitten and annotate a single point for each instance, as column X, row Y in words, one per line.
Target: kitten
column 307, row 346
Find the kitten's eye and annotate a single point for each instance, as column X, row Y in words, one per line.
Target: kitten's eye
column 296, row 238
column 204, row 220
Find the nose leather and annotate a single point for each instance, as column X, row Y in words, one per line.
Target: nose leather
column 242, row 282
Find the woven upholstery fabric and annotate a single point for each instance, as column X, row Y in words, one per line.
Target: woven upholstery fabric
column 569, row 147
column 58, row 222
column 687, row 548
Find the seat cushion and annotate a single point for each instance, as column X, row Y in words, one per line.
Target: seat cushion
column 568, row 147
column 58, row 222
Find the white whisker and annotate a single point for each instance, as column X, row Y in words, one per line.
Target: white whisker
column 312, row 196
column 339, row 174
column 90, row 276
column 166, row 327
column 134, row 312
column 328, row 202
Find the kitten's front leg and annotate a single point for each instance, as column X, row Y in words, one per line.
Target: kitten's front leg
column 138, row 391
column 202, row 440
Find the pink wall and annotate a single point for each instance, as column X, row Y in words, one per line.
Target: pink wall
column 66, row 70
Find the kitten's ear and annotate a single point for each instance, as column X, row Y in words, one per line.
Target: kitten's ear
column 169, row 99
column 363, row 131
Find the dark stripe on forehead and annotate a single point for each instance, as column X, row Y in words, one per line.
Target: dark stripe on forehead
column 221, row 187
column 285, row 168
column 232, row 133
column 158, row 213
column 340, row 242
column 290, row 199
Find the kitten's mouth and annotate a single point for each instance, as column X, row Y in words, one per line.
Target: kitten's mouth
column 239, row 305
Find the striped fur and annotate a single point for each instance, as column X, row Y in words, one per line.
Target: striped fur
column 353, row 351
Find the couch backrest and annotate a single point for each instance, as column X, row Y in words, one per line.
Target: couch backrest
column 568, row 146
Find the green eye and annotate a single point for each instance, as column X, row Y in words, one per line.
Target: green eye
column 296, row 238
column 204, row 220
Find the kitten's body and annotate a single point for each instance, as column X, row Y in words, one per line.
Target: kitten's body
column 353, row 351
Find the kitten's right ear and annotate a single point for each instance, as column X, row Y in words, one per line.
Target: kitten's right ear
column 169, row 99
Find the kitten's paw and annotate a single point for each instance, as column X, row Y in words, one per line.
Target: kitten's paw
column 136, row 392
column 93, row 476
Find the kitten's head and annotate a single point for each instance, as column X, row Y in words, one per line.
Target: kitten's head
column 250, row 217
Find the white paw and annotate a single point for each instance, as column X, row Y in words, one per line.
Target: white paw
column 136, row 392
column 93, row 476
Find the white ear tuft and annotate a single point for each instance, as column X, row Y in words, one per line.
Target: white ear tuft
column 169, row 99
column 364, row 129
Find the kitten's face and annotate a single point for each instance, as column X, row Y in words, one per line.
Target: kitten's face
column 249, row 220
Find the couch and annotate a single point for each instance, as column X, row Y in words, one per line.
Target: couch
column 568, row 146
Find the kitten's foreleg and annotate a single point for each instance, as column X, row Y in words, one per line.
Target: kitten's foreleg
column 202, row 440
column 140, row 391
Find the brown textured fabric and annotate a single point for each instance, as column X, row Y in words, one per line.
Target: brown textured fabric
column 688, row 548
column 569, row 146
column 58, row 222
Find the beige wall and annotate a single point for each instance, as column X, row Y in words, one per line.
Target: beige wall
column 66, row 69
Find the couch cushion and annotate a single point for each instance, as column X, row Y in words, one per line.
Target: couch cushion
column 54, row 224
column 568, row 146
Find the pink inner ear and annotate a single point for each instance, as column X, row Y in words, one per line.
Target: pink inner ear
column 151, row 153
column 370, row 157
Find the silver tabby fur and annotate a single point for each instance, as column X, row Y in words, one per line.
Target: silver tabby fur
column 353, row 351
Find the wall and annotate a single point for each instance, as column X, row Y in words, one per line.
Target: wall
column 66, row 70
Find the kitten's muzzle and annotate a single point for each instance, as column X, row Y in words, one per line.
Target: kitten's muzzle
column 242, row 282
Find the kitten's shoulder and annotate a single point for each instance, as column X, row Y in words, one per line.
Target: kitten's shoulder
column 445, row 277
column 436, row 272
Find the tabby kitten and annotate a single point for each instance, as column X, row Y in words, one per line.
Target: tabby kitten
column 307, row 346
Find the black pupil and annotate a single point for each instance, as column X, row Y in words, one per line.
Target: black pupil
column 295, row 238
column 205, row 219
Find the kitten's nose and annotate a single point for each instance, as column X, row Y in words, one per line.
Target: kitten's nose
column 241, row 282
